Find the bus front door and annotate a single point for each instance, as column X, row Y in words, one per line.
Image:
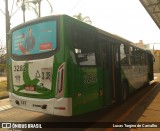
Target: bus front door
column 115, row 72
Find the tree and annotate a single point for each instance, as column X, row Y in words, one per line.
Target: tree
column 22, row 4
column 2, row 57
column 2, row 48
column 34, row 5
column 38, row 2
column 85, row 19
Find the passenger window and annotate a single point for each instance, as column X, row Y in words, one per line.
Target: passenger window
column 123, row 56
column 84, row 46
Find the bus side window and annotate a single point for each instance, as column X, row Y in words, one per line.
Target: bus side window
column 102, row 52
column 137, row 56
column 123, row 57
column 131, row 54
column 143, row 58
column 127, row 52
column 84, row 46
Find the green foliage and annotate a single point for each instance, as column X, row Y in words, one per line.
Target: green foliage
column 85, row 19
column 33, row 5
column 3, row 67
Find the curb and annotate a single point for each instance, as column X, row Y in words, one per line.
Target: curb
column 4, row 97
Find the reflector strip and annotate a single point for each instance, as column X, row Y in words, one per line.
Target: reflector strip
column 60, row 108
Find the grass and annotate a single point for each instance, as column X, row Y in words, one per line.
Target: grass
column 3, row 89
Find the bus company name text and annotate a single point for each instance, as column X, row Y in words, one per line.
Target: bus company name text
column 20, row 125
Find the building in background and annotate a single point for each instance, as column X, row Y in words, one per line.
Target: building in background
column 140, row 44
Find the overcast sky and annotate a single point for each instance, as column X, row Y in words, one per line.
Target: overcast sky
column 126, row 18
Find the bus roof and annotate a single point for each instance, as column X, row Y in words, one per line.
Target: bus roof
column 116, row 37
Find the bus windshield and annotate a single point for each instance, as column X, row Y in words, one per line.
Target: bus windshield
column 34, row 39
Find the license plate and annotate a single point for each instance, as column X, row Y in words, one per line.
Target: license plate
column 22, row 102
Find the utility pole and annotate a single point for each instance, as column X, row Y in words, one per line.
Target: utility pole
column 7, row 17
column 7, row 38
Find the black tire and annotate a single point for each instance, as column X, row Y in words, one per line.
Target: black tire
column 147, row 82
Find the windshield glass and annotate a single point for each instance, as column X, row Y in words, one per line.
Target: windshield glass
column 34, row 39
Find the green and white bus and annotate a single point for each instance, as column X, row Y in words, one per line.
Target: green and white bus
column 61, row 66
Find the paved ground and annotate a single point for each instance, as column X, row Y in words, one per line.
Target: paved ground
column 157, row 77
column 3, row 78
column 146, row 110
column 4, row 102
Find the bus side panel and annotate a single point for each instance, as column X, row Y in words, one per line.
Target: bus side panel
column 84, row 84
column 134, row 67
column 87, row 90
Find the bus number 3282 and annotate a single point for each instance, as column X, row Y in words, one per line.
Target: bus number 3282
column 19, row 68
